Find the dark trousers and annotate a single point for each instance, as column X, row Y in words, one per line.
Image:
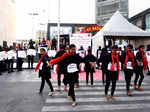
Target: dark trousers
column 71, row 91
column 30, row 61
column 87, row 76
column 139, row 73
column 104, row 72
column 71, row 80
column 59, row 79
column 111, row 77
column 43, row 79
column 128, row 74
column 10, row 65
column 19, row 64
column 77, row 78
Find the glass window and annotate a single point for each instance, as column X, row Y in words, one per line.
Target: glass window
column 148, row 22
column 100, row 0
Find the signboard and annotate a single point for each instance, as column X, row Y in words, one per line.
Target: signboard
column 91, row 29
column 51, row 53
column 11, row 54
column 79, row 40
column 3, row 55
column 22, row 54
column 31, row 52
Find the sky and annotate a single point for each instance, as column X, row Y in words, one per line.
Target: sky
column 71, row 11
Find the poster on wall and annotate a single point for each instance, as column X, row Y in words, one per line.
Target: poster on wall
column 83, row 39
column 31, row 52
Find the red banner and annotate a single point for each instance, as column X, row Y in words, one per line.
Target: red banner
column 91, row 29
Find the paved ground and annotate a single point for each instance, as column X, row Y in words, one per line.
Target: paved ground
column 17, row 94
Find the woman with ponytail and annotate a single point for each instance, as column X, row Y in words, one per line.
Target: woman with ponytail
column 141, row 64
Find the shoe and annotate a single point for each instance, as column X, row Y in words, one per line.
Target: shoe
column 65, row 88
column 76, row 86
column 129, row 93
column 135, row 88
column 86, row 84
column 140, row 89
column 74, row 104
column 58, row 89
column 50, row 93
column 69, row 97
column 107, row 97
column 112, row 97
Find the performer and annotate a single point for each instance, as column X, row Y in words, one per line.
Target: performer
column 113, row 71
column 90, row 66
column 128, row 65
column 103, row 60
column 44, row 71
column 71, row 66
column 60, row 69
column 31, row 59
column 141, row 64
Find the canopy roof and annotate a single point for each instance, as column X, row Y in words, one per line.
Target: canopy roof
column 119, row 26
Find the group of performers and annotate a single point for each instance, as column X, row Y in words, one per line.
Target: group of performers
column 69, row 64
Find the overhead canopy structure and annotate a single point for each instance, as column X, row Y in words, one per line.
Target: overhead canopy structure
column 118, row 27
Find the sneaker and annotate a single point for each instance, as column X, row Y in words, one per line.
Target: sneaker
column 129, row 93
column 74, row 104
column 50, row 93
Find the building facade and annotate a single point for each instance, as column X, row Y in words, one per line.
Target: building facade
column 142, row 20
column 7, row 21
column 106, row 8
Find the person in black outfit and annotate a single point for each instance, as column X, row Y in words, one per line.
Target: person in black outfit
column 98, row 52
column 128, row 66
column 44, row 71
column 141, row 64
column 19, row 59
column 102, row 60
column 90, row 64
column 60, row 69
column 113, row 71
column 30, row 58
column 71, row 69
column 10, row 62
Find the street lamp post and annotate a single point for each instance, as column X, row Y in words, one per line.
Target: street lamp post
column 58, row 26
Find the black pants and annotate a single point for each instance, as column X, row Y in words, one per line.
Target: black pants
column 139, row 73
column 19, row 64
column 59, row 79
column 128, row 74
column 43, row 79
column 71, row 81
column 30, row 61
column 87, row 76
column 104, row 72
column 77, row 78
column 10, row 65
column 111, row 76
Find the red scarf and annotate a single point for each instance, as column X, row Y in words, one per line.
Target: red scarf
column 129, row 55
column 113, row 63
column 39, row 62
column 144, row 60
